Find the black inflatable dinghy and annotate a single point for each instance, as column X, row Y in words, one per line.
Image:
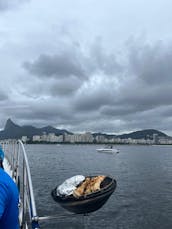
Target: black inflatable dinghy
column 87, row 203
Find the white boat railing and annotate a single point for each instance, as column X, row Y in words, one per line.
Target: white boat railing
column 20, row 171
column 17, row 165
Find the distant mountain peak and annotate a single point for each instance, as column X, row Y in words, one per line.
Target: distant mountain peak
column 146, row 133
column 14, row 131
column 10, row 124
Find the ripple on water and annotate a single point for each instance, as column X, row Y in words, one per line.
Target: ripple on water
column 142, row 199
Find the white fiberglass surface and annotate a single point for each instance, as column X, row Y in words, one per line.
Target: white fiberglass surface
column 7, row 167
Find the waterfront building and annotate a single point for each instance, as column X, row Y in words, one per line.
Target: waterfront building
column 24, row 138
column 100, row 138
column 155, row 138
column 36, row 138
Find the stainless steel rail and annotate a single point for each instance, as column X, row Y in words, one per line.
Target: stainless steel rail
column 19, row 166
column 16, row 156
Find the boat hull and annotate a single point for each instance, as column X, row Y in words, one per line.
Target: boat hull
column 108, row 150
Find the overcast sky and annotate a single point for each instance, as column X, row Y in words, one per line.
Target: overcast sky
column 87, row 65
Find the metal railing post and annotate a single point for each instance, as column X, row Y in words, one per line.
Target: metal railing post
column 28, row 206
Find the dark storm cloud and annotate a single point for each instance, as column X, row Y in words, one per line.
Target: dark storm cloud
column 66, row 72
column 147, row 119
column 79, row 72
column 65, row 87
column 57, row 66
column 52, row 87
column 75, row 63
column 140, row 90
column 91, row 102
column 129, row 93
column 151, row 63
column 143, row 96
column 117, row 110
column 148, row 81
column 3, row 96
column 91, row 99
column 34, row 113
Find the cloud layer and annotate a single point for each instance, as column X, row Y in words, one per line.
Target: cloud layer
column 7, row 4
column 61, row 68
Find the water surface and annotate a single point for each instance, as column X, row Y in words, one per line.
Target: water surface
column 142, row 200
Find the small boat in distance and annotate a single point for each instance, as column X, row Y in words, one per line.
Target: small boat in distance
column 108, row 149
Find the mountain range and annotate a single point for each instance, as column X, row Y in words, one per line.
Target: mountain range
column 14, row 131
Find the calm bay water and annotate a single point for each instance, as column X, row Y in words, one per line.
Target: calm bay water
column 142, row 199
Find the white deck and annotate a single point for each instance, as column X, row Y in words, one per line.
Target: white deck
column 7, row 167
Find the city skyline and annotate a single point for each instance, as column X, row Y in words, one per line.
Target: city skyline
column 86, row 65
column 11, row 126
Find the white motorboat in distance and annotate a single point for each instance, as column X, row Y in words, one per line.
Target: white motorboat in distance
column 108, row 149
